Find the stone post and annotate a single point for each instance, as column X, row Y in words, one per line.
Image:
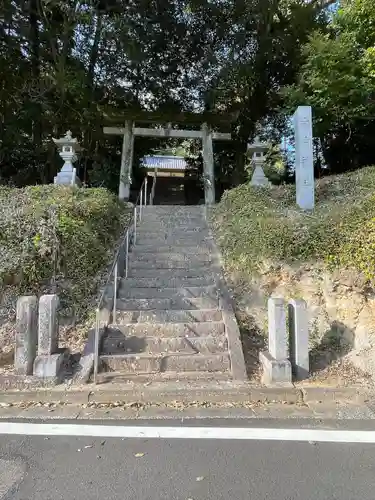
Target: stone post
column 68, row 151
column 48, row 326
column 275, row 362
column 49, row 362
column 277, row 336
column 304, row 163
column 26, row 334
column 208, row 165
column 126, row 161
column 298, row 338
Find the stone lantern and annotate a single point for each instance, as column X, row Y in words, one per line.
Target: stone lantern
column 258, row 150
column 68, row 148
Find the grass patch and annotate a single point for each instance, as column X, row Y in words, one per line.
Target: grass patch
column 255, row 225
column 52, row 236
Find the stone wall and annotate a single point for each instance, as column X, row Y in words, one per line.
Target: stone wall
column 341, row 309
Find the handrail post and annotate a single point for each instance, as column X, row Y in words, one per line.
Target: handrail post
column 145, row 196
column 127, row 254
column 140, row 205
column 135, row 224
column 96, row 345
column 114, row 319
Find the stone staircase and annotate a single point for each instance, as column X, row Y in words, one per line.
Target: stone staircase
column 173, row 317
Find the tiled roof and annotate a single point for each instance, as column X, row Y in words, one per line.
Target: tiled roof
column 164, row 162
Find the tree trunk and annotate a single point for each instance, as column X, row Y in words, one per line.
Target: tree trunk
column 34, row 44
column 94, row 55
column 239, row 174
column 94, row 51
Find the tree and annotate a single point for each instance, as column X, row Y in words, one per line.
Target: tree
column 337, row 80
column 70, row 61
column 263, row 55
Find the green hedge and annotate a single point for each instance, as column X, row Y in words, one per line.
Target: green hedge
column 47, row 230
column 254, row 225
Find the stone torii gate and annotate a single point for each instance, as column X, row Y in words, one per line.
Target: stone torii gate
column 129, row 131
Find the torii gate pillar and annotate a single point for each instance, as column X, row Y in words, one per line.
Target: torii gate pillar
column 126, row 161
column 208, row 165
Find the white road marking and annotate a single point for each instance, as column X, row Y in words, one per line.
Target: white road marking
column 220, row 433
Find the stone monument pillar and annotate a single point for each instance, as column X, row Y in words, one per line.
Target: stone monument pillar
column 68, row 148
column 304, row 163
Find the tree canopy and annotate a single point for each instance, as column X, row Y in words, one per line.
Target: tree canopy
column 337, row 79
column 69, row 62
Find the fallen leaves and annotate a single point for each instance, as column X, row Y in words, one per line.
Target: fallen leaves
column 177, row 404
column 51, row 405
column 6, row 405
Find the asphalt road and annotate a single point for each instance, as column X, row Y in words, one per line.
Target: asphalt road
column 36, row 467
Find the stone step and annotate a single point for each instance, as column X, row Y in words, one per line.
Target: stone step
column 148, row 222
column 163, row 282
column 172, row 224
column 126, row 292
column 175, row 362
column 155, row 249
column 194, row 221
column 161, row 231
column 176, row 304
column 196, row 272
column 168, row 316
column 119, row 344
column 177, row 234
column 175, row 238
column 183, row 238
column 173, row 214
column 209, row 329
column 177, row 243
column 149, row 379
column 164, row 232
column 197, row 220
column 174, row 209
column 137, row 257
column 171, row 264
column 159, row 264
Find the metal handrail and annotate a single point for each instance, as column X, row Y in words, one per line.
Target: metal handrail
column 129, row 238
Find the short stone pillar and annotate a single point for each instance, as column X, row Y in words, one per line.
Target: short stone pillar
column 48, row 325
column 258, row 178
column 275, row 362
column 298, row 338
column 26, row 334
column 68, row 148
column 49, row 362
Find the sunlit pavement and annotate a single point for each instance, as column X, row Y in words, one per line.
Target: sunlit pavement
column 197, row 459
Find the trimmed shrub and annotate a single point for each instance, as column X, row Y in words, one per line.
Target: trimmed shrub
column 254, row 225
column 53, row 233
